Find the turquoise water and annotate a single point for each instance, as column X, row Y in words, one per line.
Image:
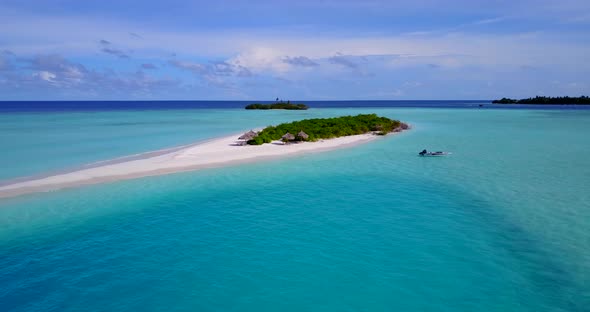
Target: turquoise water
column 503, row 224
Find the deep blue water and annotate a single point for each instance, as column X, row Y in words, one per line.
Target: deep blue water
column 49, row 106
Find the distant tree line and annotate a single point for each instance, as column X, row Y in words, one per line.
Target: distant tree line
column 326, row 128
column 278, row 105
column 582, row 100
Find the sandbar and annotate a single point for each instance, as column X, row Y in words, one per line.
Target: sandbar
column 210, row 154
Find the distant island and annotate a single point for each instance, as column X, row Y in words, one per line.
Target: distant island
column 544, row 100
column 278, row 105
column 326, row 128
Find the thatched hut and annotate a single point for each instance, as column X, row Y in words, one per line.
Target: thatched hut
column 248, row 135
column 244, row 138
column 402, row 126
column 302, row 135
column 288, row 137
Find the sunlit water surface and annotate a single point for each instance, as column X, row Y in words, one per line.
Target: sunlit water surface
column 502, row 224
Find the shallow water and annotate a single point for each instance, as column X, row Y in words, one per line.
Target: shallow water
column 502, row 224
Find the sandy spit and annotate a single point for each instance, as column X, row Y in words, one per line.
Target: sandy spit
column 210, row 154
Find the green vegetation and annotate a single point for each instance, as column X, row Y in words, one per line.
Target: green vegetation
column 544, row 100
column 505, row 101
column 278, row 105
column 326, row 128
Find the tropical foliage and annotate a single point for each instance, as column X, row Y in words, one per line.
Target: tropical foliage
column 544, row 100
column 326, row 128
column 278, row 105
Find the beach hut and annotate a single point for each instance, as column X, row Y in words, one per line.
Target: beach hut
column 248, row 135
column 245, row 136
column 302, row 135
column 288, row 137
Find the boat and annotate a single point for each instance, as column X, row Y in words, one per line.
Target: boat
column 438, row 153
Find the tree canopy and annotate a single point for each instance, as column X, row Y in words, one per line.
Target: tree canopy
column 326, row 128
column 278, row 105
column 545, row 100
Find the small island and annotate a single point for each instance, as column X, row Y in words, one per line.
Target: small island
column 338, row 133
column 325, row 128
column 544, row 100
column 278, row 105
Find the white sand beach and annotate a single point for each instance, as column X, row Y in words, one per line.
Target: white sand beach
column 214, row 153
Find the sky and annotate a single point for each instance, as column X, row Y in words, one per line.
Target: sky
column 297, row 50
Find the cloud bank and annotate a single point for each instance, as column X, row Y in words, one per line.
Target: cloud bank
column 474, row 51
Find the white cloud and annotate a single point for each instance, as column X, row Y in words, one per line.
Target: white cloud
column 489, row 21
column 263, row 50
column 223, row 57
column 45, row 75
column 190, row 66
column 62, row 77
column 262, row 59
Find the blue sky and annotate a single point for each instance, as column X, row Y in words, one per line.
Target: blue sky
column 299, row 50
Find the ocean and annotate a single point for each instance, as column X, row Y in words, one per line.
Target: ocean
column 501, row 224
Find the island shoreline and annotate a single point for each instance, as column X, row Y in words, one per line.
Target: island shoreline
column 207, row 154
